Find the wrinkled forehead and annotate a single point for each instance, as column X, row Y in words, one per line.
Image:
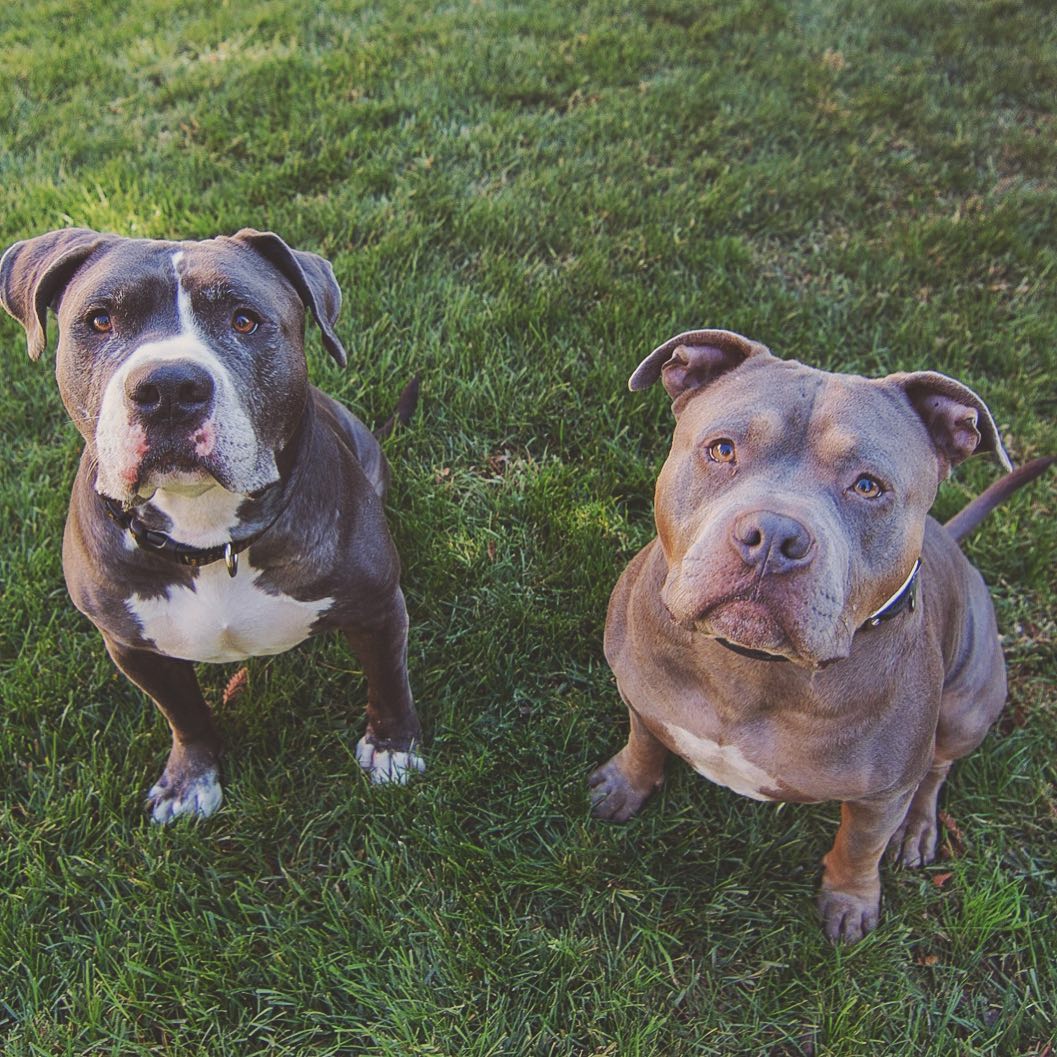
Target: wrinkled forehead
column 145, row 271
column 787, row 408
column 223, row 269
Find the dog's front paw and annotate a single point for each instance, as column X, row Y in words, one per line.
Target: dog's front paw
column 914, row 843
column 847, row 917
column 613, row 796
column 385, row 764
column 179, row 792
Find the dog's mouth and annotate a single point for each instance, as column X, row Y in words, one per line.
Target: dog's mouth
column 171, row 459
column 745, row 622
column 149, row 462
column 752, row 628
column 146, row 462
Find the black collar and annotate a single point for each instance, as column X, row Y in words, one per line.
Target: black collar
column 164, row 546
column 905, row 599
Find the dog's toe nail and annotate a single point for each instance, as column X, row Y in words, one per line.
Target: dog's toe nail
column 364, row 753
column 387, row 766
column 161, row 812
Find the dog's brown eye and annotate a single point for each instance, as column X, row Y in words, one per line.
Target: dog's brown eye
column 721, row 450
column 244, row 323
column 868, row 487
column 101, row 322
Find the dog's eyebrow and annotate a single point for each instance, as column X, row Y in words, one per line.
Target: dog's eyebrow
column 226, row 290
column 128, row 290
column 760, row 427
column 837, row 441
column 763, row 425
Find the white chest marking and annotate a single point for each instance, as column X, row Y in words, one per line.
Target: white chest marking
column 221, row 618
column 722, row 764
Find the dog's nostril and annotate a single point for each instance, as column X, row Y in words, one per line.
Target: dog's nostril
column 752, row 538
column 147, row 395
column 191, row 393
column 796, row 547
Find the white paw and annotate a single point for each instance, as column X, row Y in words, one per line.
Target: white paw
column 387, row 766
column 198, row 798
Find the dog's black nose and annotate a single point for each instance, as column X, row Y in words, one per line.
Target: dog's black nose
column 781, row 542
column 177, row 392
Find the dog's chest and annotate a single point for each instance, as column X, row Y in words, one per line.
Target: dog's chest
column 220, row 618
column 723, row 764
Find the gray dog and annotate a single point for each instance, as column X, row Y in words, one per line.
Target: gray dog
column 224, row 508
column 801, row 629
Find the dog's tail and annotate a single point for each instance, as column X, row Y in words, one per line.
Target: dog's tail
column 969, row 517
column 405, row 408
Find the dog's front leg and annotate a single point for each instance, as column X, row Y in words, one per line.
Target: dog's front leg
column 850, row 899
column 623, row 784
column 190, row 783
column 387, row 751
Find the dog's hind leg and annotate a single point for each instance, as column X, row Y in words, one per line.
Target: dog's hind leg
column 973, row 695
column 914, row 843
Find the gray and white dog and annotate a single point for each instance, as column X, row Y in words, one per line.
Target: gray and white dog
column 224, row 507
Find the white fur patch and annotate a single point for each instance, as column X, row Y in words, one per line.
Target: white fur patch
column 385, row 766
column 200, row 799
column 200, row 517
column 722, row 764
column 183, row 302
column 219, row 618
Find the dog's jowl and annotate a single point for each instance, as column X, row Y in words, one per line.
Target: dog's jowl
column 800, row 629
column 224, row 508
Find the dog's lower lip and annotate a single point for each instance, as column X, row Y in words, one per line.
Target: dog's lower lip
column 746, row 623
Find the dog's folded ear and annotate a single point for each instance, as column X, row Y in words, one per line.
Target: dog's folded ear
column 694, row 359
column 311, row 276
column 958, row 421
column 34, row 273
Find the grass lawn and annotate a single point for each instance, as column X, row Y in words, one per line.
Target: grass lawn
column 520, row 201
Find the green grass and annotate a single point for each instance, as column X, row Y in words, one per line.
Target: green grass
column 521, row 200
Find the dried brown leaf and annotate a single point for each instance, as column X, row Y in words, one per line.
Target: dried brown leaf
column 955, row 840
column 236, row 685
